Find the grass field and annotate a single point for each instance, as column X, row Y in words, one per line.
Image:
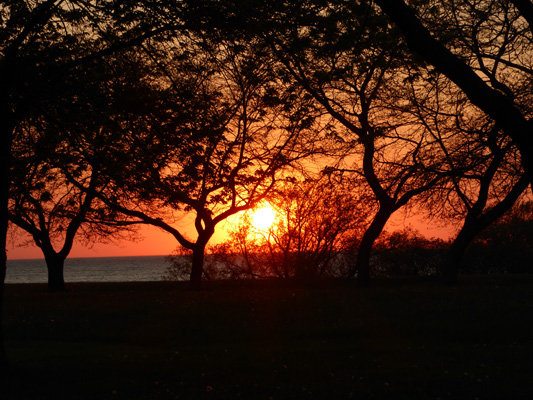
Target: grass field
column 411, row 339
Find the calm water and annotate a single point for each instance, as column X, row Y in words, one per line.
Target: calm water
column 100, row 269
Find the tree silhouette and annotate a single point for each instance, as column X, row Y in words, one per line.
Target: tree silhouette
column 320, row 221
column 316, row 228
column 318, row 224
column 44, row 43
column 236, row 128
column 343, row 56
column 481, row 47
column 485, row 199
column 46, row 206
column 485, row 168
column 55, row 173
column 483, row 174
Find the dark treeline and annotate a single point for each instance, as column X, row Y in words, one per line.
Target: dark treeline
column 313, row 246
column 115, row 114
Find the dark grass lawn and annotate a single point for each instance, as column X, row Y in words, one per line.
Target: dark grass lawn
column 409, row 338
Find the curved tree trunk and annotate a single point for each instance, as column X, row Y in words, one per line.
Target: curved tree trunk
column 454, row 257
column 474, row 223
column 495, row 104
column 362, row 264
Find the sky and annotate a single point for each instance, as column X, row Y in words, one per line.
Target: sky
column 154, row 241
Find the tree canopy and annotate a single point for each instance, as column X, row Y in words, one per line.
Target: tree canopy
column 152, row 111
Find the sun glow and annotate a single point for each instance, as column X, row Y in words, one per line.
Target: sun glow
column 263, row 217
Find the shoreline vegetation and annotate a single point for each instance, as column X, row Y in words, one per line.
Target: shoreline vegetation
column 406, row 338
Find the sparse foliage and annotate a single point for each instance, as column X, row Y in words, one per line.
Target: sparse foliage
column 316, row 229
column 345, row 57
column 232, row 129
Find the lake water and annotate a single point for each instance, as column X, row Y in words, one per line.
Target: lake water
column 98, row 269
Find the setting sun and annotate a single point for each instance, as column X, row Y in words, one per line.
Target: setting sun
column 263, row 217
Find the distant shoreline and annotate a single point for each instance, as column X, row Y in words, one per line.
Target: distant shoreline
column 84, row 258
column 91, row 269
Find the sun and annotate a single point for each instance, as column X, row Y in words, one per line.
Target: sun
column 263, row 217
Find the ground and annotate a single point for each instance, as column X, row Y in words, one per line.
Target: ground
column 402, row 338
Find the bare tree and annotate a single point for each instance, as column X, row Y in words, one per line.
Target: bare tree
column 317, row 228
column 321, row 223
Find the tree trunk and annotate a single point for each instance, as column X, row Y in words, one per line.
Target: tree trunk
column 195, row 279
column 55, row 265
column 452, row 262
column 474, row 223
column 491, row 101
column 3, row 259
column 362, row 264
column 5, row 183
column 454, row 257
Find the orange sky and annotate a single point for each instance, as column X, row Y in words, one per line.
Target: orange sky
column 157, row 242
column 153, row 242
